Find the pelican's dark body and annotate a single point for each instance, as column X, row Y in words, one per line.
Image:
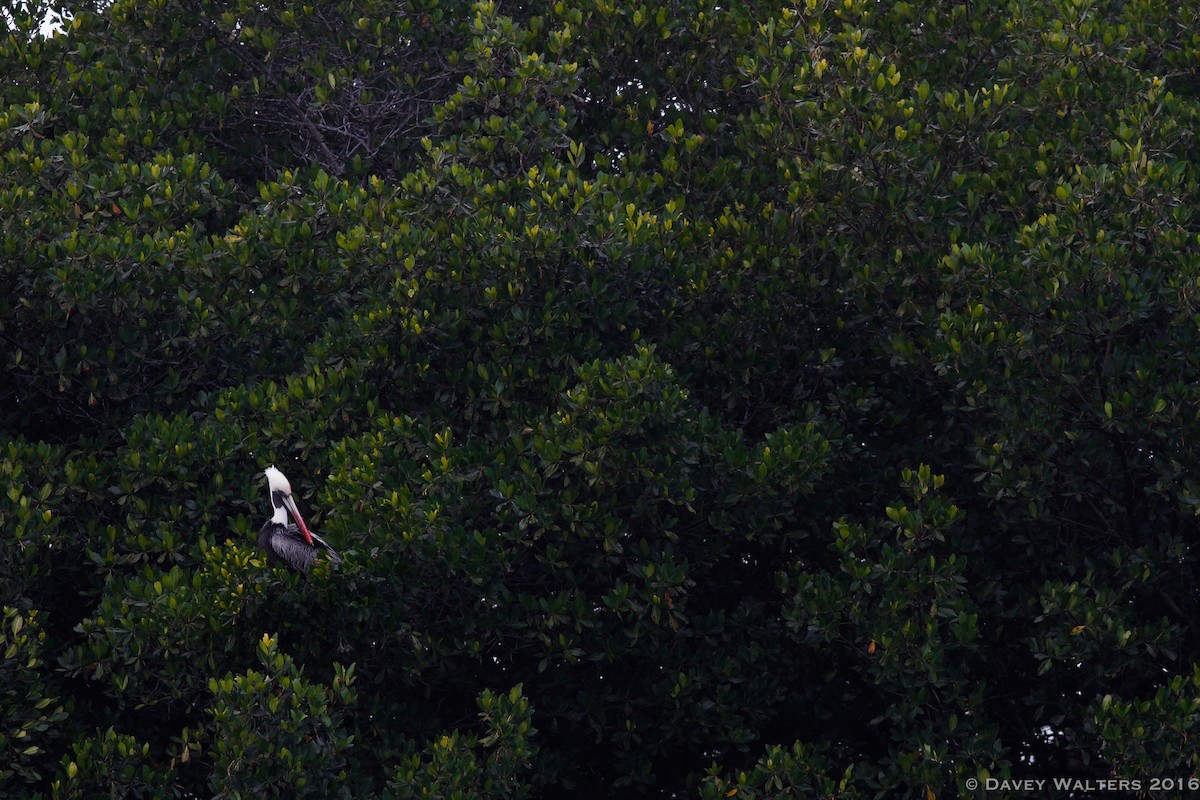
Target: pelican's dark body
column 285, row 547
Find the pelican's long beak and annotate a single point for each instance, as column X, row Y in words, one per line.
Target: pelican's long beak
column 291, row 506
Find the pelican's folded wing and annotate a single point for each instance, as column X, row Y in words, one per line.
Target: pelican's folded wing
column 322, row 543
column 291, row 548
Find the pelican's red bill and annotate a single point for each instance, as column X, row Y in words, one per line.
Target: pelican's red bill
column 291, row 506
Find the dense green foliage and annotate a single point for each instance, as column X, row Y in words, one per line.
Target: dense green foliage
column 708, row 399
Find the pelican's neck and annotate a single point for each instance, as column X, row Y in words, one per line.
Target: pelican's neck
column 280, row 517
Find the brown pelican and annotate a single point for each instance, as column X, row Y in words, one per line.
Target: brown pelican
column 293, row 546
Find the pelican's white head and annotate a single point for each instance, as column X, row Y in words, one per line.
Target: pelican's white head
column 276, row 481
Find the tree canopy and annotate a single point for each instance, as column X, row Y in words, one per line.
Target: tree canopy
column 707, row 399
